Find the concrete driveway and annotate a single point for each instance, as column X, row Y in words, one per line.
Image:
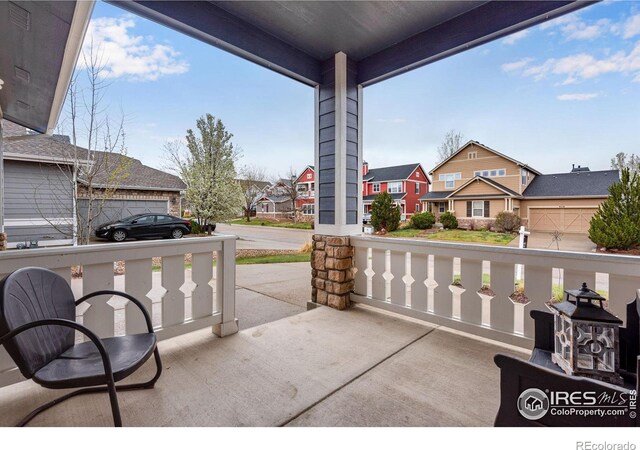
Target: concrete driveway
column 570, row 242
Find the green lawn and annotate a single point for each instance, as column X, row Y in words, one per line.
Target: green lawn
column 269, row 223
column 405, row 232
column 262, row 259
column 480, row 237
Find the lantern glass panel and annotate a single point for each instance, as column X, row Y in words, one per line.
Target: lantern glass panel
column 564, row 335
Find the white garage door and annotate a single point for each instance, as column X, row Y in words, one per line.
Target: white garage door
column 567, row 220
column 118, row 209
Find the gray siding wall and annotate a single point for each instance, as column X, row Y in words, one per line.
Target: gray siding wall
column 38, row 233
column 327, row 145
column 36, row 190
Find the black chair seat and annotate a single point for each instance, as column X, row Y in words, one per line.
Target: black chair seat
column 542, row 358
column 81, row 365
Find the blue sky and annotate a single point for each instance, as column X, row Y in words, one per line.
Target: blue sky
column 564, row 92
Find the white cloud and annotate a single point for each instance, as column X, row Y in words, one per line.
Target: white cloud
column 631, row 27
column 127, row 55
column 516, row 65
column 577, row 97
column 515, row 37
column 572, row 28
column 562, row 20
column 583, row 66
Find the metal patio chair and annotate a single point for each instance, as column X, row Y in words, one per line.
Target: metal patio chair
column 37, row 328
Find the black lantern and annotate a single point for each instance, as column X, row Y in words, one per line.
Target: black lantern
column 586, row 336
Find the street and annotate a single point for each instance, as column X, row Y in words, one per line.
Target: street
column 263, row 237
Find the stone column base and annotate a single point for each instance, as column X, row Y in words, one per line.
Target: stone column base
column 3, row 241
column 332, row 271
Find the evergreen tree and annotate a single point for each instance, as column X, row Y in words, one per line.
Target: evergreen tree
column 385, row 215
column 616, row 224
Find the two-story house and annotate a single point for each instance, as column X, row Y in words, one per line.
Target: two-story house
column 476, row 183
column 275, row 201
column 306, row 186
column 406, row 184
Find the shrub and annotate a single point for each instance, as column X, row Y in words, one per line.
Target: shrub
column 195, row 227
column 448, row 221
column 507, row 222
column 385, row 215
column 422, row 221
column 616, row 224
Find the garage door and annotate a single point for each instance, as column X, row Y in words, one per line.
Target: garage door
column 567, row 220
column 117, row 209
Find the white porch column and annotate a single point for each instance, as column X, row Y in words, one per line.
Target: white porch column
column 338, row 149
column 3, row 241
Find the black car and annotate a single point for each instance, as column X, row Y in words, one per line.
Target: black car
column 144, row 226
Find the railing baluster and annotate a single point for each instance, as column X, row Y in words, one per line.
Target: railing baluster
column 172, row 281
column 398, row 286
column 138, row 282
column 100, row 316
column 201, row 275
column 502, row 284
column 361, row 260
column 443, row 274
column 538, row 288
column 378, row 283
column 470, row 303
column 419, row 267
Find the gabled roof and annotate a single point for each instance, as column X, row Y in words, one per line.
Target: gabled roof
column 435, row 195
column 303, row 171
column 393, row 173
column 370, row 198
column 276, row 198
column 490, row 182
column 258, row 184
column 573, row 184
column 57, row 149
column 521, row 164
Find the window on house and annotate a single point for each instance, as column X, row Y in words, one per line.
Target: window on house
column 308, row 210
column 313, row 186
column 490, row 173
column 309, row 176
column 449, row 179
column 417, row 207
column 417, row 174
column 477, row 208
column 394, row 188
column 473, row 155
column 442, row 207
column 417, row 188
column 375, row 187
column 524, row 174
column 502, row 172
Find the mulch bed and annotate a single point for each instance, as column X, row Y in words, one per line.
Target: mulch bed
column 119, row 266
column 617, row 251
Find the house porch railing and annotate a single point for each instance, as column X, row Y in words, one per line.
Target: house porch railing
column 180, row 297
column 440, row 282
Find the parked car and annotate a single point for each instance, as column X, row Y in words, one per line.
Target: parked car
column 144, row 226
column 366, row 218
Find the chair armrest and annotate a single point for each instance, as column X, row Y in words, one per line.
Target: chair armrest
column 135, row 301
column 517, row 375
column 543, row 323
column 106, row 362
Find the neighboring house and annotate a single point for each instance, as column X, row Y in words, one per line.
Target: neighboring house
column 306, row 186
column 476, row 183
column 406, row 184
column 39, row 192
column 254, row 190
column 275, row 202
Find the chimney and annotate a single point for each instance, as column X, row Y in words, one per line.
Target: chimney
column 365, row 168
column 573, row 166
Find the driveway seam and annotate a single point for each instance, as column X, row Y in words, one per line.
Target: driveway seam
column 339, row 388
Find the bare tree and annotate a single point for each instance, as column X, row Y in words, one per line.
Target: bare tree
column 453, row 140
column 624, row 161
column 290, row 189
column 251, row 176
column 96, row 172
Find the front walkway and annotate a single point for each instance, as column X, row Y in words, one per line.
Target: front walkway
column 320, row 368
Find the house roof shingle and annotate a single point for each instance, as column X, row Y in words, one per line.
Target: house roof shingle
column 391, row 173
column 57, row 149
column 435, row 195
column 572, row 184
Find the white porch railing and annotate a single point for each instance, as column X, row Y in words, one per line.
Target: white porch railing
column 414, row 278
column 180, row 300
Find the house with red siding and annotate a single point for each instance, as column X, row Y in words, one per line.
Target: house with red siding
column 406, row 184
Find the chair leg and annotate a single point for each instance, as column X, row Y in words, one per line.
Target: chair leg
column 97, row 389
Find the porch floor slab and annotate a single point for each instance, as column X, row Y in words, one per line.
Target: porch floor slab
column 321, row 367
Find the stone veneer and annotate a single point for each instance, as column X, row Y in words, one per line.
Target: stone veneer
column 3, row 241
column 332, row 271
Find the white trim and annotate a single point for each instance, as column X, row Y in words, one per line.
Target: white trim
column 38, row 222
column 360, row 155
column 316, row 151
column 78, row 29
column 43, row 242
column 37, row 158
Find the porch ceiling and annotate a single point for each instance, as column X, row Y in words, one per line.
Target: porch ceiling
column 385, row 38
column 39, row 45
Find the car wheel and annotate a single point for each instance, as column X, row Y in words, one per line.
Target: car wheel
column 176, row 233
column 119, row 235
